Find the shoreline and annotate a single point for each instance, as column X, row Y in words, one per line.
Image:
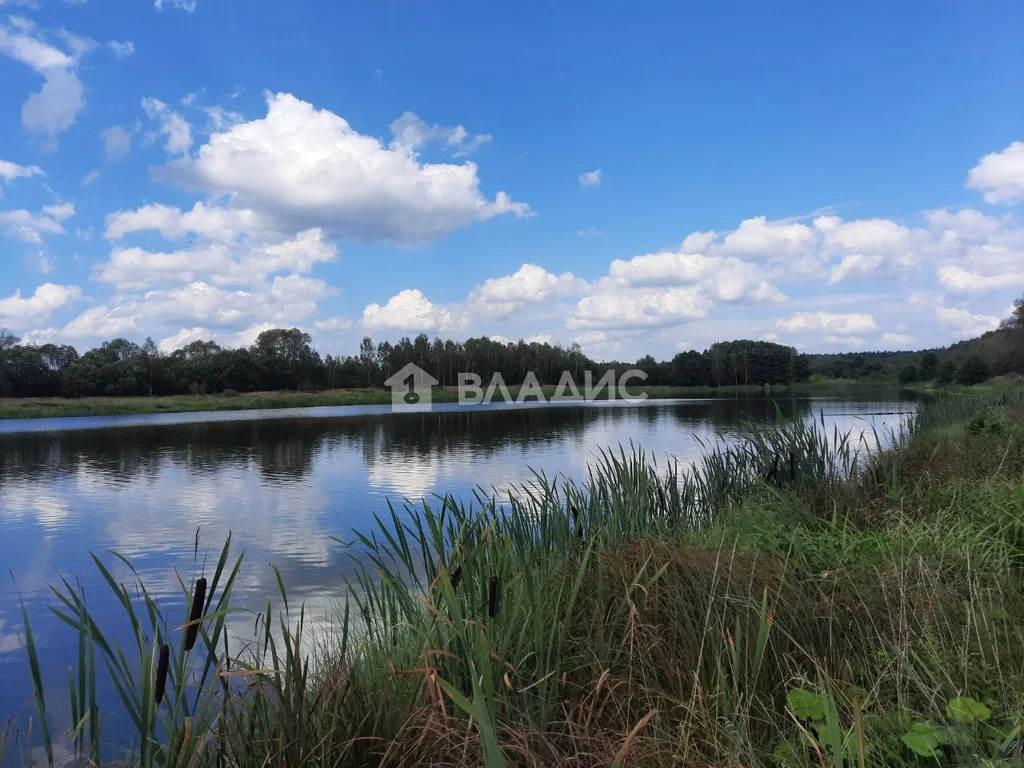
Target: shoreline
column 58, row 407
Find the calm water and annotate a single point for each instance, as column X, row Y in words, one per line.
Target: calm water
column 283, row 483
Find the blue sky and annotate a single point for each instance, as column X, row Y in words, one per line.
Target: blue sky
column 638, row 179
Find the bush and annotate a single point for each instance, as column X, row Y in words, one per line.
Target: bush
column 974, row 370
column 908, row 375
column 229, row 393
column 946, row 373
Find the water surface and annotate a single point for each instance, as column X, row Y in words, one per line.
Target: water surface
column 284, row 482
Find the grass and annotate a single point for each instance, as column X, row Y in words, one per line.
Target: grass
column 54, row 407
column 800, row 599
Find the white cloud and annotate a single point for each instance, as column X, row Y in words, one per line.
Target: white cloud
column 303, row 167
column 962, row 281
column 895, row 340
column 10, row 171
column 410, row 310
column 411, row 133
column 172, row 126
column 185, row 5
column 853, row 342
column 29, row 227
column 117, row 142
column 1000, row 175
column 90, row 177
column 530, row 284
column 47, row 298
column 963, row 323
column 335, row 323
column 56, row 106
column 183, row 338
column 122, row 50
column 640, row 309
column 827, row 322
column 598, row 344
column 222, row 263
column 591, row 178
column 221, row 314
column 590, row 231
column 759, row 237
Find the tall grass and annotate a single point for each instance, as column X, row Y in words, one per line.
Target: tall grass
column 801, row 598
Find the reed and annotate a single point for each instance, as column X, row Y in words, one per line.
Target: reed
column 806, row 597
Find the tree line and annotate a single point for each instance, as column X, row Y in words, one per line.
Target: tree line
column 996, row 353
column 284, row 359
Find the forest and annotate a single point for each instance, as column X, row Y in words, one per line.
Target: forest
column 284, row 359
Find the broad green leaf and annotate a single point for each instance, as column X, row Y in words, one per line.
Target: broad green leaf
column 964, row 709
column 805, row 705
column 922, row 740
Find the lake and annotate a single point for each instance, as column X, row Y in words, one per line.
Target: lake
column 284, row 482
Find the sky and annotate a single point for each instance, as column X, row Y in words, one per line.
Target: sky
column 640, row 178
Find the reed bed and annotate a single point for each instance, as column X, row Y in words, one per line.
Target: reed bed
column 803, row 598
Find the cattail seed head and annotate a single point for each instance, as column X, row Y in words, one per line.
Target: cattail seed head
column 161, row 673
column 456, row 576
column 198, row 601
column 492, row 602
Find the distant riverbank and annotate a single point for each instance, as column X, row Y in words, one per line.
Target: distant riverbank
column 52, row 407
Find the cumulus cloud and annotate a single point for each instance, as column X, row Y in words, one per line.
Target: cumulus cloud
column 640, row 309
column 19, row 310
column 827, row 322
column 172, row 126
column 895, row 340
column 1000, row 175
column 410, row 310
column 286, row 300
column 302, row 167
column 530, row 284
column 963, row 323
column 56, row 106
column 30, row 227
column 591, row 178
column 222, row 263
column 117, row 142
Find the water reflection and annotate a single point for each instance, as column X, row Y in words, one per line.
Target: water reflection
column 283, row 485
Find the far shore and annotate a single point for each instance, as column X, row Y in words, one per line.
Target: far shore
column 55, row 407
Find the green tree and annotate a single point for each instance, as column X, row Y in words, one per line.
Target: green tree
column 908, row 375
column 973, row 370
column 929, row 366
column 946, row 373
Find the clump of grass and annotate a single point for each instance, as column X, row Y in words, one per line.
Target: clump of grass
column 646, row 615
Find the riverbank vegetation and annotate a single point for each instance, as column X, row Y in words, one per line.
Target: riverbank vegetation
column 282, row 363
column 799, row 599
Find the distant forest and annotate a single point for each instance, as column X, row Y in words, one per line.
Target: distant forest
column 283, row 359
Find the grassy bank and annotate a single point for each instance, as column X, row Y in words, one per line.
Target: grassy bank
column 796, row 600
column 52, row 407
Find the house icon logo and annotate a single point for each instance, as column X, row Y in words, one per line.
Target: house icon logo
column 411, row 389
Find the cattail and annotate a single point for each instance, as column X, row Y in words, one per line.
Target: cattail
column 492, row 602
column 579, row 532
column 456, row 576
column 161, row 672
column 661, row 499
column 792, row 465
column 775, row 468
column 198, row 599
